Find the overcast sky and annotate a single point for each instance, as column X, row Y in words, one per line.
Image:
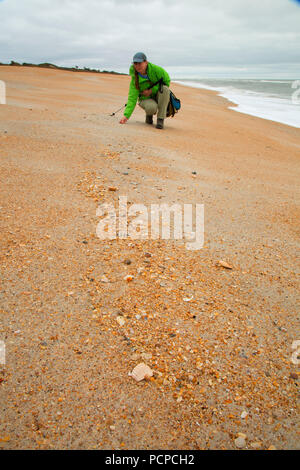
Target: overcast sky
column 238, row 38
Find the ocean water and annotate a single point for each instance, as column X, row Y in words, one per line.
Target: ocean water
column 276, row 100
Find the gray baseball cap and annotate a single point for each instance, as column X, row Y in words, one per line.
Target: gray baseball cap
column 139, row 57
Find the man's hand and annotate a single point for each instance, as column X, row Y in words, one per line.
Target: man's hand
column 147, row 92
column 123, row 120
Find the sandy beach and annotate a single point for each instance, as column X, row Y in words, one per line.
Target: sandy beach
column 79, row 313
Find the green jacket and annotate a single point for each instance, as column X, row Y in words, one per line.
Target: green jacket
column 154, row 73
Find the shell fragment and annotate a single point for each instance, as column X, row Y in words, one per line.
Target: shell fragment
column 141, row 372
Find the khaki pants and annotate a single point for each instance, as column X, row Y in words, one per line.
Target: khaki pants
column 158, row 105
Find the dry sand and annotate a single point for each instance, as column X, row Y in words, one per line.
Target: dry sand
column 73, row 328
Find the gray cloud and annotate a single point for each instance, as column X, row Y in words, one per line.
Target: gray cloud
column 206, row 35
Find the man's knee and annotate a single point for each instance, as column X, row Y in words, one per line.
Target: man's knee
column 150, row 106
column 165, row 90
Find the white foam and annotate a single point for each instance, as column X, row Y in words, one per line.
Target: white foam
column 274, row 109
column 257, row 104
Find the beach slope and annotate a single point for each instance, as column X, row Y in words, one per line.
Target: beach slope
column 218, row 326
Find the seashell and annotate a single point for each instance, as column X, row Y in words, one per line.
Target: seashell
column 121, row 321
column 188, row 299
column 140, row 372
column 224, row 264
column 128, row 278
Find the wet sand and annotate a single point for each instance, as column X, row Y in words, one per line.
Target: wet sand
column 218, row 340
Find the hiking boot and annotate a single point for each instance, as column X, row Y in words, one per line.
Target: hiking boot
column 160, row 123
column 149, row 119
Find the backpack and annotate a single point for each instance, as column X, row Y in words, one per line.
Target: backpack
column 173, row 106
